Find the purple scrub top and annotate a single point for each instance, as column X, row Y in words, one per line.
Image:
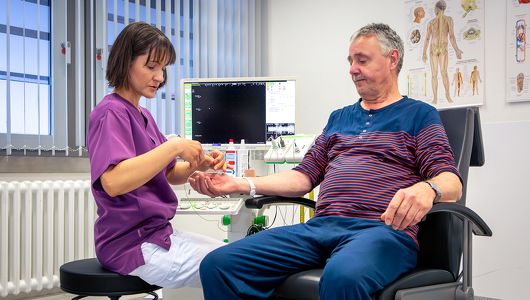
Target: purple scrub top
column 118, row 131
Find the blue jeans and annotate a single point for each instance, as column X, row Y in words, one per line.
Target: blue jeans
column 359, row 257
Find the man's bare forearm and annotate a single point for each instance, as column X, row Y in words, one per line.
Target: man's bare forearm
column 288, row 184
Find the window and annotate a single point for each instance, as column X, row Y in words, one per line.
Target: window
column 48, row 92
column 164, row 15
column 25, row 70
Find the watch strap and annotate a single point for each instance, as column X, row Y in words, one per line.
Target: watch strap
column 436, row 190
column 252, row 187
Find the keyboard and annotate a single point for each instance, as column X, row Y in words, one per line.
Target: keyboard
column 210, row 206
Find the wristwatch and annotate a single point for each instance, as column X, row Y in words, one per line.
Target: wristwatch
column 436, row 190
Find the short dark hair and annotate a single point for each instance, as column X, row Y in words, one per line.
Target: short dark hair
column 134, row 40
column 388, row 39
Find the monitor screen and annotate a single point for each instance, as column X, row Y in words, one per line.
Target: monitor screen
column 216, row 110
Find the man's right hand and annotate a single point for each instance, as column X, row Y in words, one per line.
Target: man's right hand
column 215, row 185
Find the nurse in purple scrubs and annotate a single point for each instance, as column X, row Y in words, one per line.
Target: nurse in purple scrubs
column 132, row 166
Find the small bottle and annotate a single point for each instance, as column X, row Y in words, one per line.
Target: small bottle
column 231, row 158
column 242, row 159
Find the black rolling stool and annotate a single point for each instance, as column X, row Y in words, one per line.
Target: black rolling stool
column 87, row 277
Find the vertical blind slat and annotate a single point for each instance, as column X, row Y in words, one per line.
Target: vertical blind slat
column 80, row 79
column 148, row 21
column 38, row 78
column 92, row 55
column 169, row 84
column 126, row 12
column 243, row 52
column 105, row 48
column 24, row 68
column 186, row 38
column 221, row 39
column 176, row 44
column 204, row 39
column 212, row 38
column 59, row 105
column 8, row 78
column 196, row 40
column 237, row 38
column 159, row 115
column 228, row 38
column 115, row 19
column 136, row 10
column 251, row 38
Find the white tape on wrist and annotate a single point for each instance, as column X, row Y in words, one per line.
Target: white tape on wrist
column 192, row 175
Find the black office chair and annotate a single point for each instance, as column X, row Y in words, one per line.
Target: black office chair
column 86, row 277
column 444, row 234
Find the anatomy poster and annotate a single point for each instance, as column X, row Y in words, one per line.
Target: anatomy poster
column 444, row 52
column 517, row 66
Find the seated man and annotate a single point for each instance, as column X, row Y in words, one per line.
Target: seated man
column 380, row 163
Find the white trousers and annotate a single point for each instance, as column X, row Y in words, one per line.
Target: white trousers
column 178, row 267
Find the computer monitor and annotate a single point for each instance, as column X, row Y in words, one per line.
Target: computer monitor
column 215, row 110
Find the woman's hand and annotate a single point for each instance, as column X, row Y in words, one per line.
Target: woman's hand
column 217, row 161
column 190, row 151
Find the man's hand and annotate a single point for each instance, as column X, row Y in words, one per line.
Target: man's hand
column 409, row 205
column 213, row 184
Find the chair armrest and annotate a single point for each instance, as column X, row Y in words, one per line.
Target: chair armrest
column 258, row 202
column 479, row 226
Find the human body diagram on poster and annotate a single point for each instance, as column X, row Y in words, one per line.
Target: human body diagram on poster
column 445, row 51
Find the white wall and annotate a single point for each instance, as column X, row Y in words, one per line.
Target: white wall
column 498, row 192
column 310, row 39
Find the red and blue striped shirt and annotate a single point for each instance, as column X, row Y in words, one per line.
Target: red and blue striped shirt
column 363, row 157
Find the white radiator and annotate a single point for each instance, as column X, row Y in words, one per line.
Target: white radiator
column 42, row 226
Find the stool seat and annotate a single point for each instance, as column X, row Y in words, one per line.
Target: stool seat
column 87, row 277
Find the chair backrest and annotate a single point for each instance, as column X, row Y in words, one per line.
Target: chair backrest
column 440, row 235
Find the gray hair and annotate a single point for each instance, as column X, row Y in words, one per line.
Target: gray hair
column 388, row 39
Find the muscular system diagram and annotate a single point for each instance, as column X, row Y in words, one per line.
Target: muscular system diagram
column 440, row 31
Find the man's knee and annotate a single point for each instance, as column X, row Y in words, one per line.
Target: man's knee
column 213, row 260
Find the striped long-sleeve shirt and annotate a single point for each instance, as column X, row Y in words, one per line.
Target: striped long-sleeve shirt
column 363, row 157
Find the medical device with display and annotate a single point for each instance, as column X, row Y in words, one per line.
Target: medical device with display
column 256, row 109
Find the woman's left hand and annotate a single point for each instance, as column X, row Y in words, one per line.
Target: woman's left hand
column 218, row 161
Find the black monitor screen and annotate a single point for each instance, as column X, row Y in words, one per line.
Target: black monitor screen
column 254, row 110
